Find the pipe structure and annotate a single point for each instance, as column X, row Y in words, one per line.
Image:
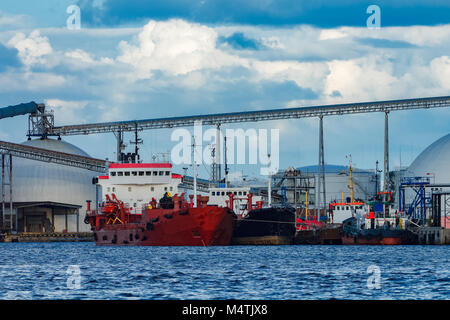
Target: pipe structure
column 17, row 110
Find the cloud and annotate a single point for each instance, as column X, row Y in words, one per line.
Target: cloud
column 440, row 67
column 176, row 67
column 176, row 47
column 66, row 111
column 80, row 59
column 12, row 22
column 325, row 14
column 18, row 82
column 32, row 49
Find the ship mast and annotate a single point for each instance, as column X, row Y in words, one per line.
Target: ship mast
column 269, row 182
column 194, row 163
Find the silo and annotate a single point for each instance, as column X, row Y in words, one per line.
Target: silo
column 337, row 182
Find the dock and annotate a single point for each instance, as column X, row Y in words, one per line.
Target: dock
column 48, row 237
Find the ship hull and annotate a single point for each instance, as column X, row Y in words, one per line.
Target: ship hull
column 266, row 226
column 263, row 240
column 324, row 235
column 362, row 240
column 208, row 226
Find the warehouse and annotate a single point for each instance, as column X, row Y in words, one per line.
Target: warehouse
column 48, row 197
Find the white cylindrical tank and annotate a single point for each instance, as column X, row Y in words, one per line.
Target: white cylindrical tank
column 337, row 182
column 37, row 181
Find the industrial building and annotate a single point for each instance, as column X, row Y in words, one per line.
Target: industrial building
column 49, row 197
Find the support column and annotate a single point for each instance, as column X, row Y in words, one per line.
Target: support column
column 119, row 137
column 53, row 220
column 321, row 195
column 386, row 151
column 11, row 195
column 3, row 192
column 78, row 220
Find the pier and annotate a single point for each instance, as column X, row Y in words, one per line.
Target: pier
column 47, row 237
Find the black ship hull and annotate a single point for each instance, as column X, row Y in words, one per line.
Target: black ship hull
column 266, row 226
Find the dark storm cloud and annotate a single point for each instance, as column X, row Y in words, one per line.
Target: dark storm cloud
column 325, row 14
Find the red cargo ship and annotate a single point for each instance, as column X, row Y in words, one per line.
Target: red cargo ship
column 174, row 222
column 171, row 221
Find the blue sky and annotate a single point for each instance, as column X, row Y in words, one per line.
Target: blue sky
column 144, row 59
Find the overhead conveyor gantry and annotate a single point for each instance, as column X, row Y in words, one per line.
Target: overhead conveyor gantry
column 252, row 116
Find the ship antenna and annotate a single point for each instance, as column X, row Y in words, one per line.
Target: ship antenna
column 351, row 186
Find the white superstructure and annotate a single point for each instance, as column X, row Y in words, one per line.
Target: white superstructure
column 219, row 197
column 137, row 183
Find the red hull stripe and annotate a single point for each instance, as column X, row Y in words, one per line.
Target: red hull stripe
column 139, row 165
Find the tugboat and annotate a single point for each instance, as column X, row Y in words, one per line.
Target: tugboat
column 311, row 230
column 352, row 233
column 380, row 225
column 171, row 221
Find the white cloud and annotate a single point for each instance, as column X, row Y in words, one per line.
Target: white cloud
column 366, row 78
column 67, row 111
column 440, row 68
column 32, row 49
column 8, row 21
column 331, row 34
column 81, row 59
column 176, row 47
column 304, row 74
column 416, row 35
column 29, row 81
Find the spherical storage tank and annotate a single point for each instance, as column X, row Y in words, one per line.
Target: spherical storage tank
column 54, row 187
column 433, row 162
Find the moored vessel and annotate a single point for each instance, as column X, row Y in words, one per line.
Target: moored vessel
column 255, row 224
column 377, row 224
column 142, row 220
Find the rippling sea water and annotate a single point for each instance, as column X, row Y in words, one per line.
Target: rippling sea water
column 50, row 271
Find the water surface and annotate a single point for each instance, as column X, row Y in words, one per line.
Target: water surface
column 50, row 271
